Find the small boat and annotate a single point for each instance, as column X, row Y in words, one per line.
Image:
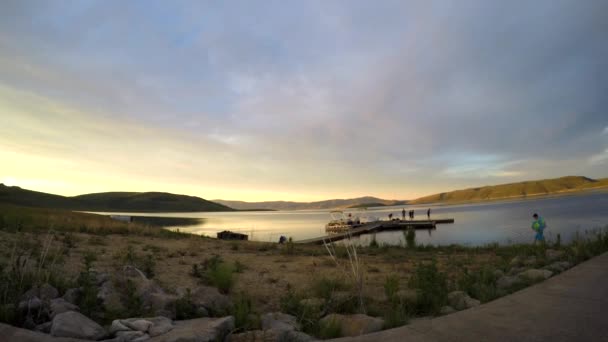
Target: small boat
column 341, row 222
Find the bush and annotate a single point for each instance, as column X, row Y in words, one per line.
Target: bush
column 410, row 238
column 184, row 308
column 480, row 284
column 242, row 310
column 88, row 301
column 432, row 288
column 330, row 329
column 391, row 286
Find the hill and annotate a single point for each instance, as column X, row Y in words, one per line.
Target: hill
column 110, row 201
column 328, row 204
column 543, row 187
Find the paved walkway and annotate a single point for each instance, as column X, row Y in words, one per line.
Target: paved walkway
column 572, row 306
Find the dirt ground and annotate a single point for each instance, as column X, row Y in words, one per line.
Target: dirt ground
column 269, row 269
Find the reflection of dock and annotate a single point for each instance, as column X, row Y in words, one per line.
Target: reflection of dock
column 377, row 226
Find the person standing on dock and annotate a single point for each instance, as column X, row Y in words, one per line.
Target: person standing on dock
column 538, row 225
column 412, row 214
column 403, row 214
column 390, row 216
column 428, row 213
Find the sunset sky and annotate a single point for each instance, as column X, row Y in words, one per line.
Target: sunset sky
column 300, row 100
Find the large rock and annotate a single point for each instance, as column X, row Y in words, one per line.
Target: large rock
column 269, row 336
column 72, row 295
column 74, row 324
column 48, row 292
column 552, row 254
column 33, row 304
column 506, row 282
column 535, row 274
column 160, row 325
column 459, row 300
column 354, row 325
column 198, row 330
column 559, row 266
column 132, row 335
column 211, row 299
column 60, row 305
column 279, row 321
column 446, row 310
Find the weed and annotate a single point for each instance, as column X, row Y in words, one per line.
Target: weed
column 330, row 329
column 410, row 238
column 242, row 310
column 184, row 308
column 432, row 288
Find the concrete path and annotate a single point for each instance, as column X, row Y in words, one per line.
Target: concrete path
column 572, row 306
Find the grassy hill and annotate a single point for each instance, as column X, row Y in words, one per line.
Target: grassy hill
column 110, row 201
column 328, row 204
column 543, row 187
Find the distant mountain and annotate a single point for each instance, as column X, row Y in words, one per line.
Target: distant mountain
column 110, row 201
column 556, row 186
column 366, row 201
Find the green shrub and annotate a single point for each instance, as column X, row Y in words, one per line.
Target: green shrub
column 410, row 238
column 479, row 284
column 432, row 288
column 242, row 310
column 330, row 329
column 184, row 308
column 88, row 301
column 391, row 286
column 148, row 265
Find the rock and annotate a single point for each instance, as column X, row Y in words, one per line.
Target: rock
column 535, row 274
column 72, row 295
column 459, row 300
column 60, row 305
column 30, row 305
column 134, row 272
column 279, row 321
column 354, row 325
column 517, row 261
column 130, row 335
column 254, row 336
column 446, row 310
column 101, row 278
column 110, row 297
column 47, row 292
column 552, row 254
column 506, row 282
column 530, row 261
column 211, row 299
column 138, row 324
column 269, row 336
column 198, row 330
column 44, row 327
column 74, row 324
column 498, row 274
column 31, row 293
column 516, row 270
column 559, row 266
column 471, row 302
column 160, row 325
column 117, row 326
column 145, row 337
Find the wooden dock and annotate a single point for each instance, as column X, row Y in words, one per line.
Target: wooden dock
column 377, row 226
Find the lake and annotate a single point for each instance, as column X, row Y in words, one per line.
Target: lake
column 475, row 224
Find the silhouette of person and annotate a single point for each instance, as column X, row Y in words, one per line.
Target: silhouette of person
column 428, row 213
column 403, row 213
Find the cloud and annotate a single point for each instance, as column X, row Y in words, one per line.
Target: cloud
column 313, row 98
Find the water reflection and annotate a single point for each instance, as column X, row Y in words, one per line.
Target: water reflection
column 475, row 224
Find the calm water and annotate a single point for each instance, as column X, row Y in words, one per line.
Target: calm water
column 475, row 224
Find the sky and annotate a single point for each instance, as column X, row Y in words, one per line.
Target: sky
column 300, row 100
